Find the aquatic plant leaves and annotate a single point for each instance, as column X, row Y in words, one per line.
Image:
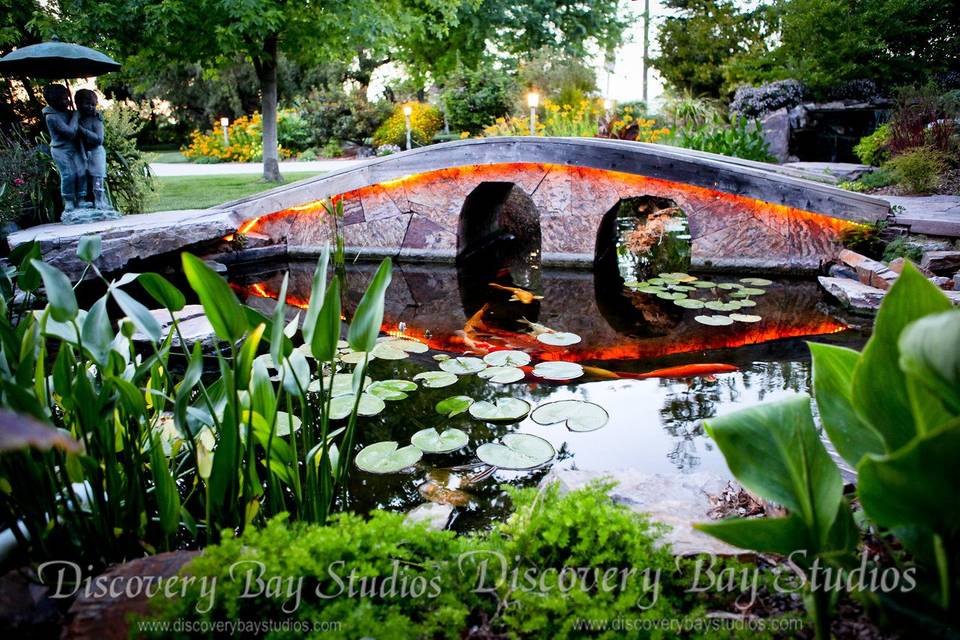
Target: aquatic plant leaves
column 454, row 405
column 704, row 284
column 463, row 365
column 678, row 277
column 517, row 451
column 406, row 344
column 503, row 410
column 502, row 375
column 385, row 457
column 729, row 286
column 667, row 295
column 507, row 359
column 287, row 423
column 748, row 291
column 714, row 321
column 355, row 357
column 219, row 302
column 559, row 339
column 365, row 325
column 63, row 302
column 433, row 441
column 341, row 406
column 718, row 305
column 578, row 415
column 341, row 383
column 689, row 303
column 558, row 370
column 756, row 282
column 435, row 379
column 743, row 317
column 387, row 351
column 391, row 389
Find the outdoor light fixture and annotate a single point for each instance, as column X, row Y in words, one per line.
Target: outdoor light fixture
column 533, row 101
column 225, row 122
column 407, row 110
column 607, row 104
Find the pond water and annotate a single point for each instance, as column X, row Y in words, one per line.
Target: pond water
column 655, row 423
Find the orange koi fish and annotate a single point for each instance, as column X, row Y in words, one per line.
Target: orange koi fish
column 687, row 371
column 519, row 295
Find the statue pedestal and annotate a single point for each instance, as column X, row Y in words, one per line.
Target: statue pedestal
column 82, row 216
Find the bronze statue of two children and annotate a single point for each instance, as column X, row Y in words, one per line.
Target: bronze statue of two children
column 76, row 144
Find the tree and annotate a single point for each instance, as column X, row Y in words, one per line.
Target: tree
column 473, row 98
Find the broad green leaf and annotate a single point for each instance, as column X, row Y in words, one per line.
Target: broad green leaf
column 719, row 305
column 317, row 295
column 559, row 338
column 454, row 405
column 365, row 325
column 689, row 303
column 408, row 345
column 28, row 278
column 756, row 282
column 577, row 415
column 385, row 457
column 502, row 375
column 386, row 351
column 558, row 370
column 219, row 302
column 139, row 314
column 248, row 352
column 88, row 248
column 97, row 333
column 503, row 410
column 342, row 384
column 916, row 485
column 714, row 321
column 342, row 406
column 287, row 423
column 326, row 332
column 277, row 337
column 516, row 451
column 463, row 365
column 432, row 441
column 63, row 302
column 833, row 368
column 744, row 317
column 879, row 389
column 162, row 291
column 930, row 352
column 391, row 389
column 435, row 379
column 774, row 450
column 295, row 373
column 507, row 359
column 767, row 535
column 164, row 488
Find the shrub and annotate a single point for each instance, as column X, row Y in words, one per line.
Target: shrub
column 511, row 126
column 756, row 102
column 293, row 133
column 873, row 149
column 331, row 150
column 917, row 170
column 474, row 98
column 129, row 179
column 900, row 247
column 246, row 142
column 342, row 117
column 29, row 185
column 923, row 117
column 579, row 119
column 425, row 121
column 737, row 137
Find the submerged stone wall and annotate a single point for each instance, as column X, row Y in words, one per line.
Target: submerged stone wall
column 421, row 213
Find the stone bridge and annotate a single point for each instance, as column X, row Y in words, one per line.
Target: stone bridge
column 435, row 202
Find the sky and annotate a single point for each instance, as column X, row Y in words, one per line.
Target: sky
column 626, row 81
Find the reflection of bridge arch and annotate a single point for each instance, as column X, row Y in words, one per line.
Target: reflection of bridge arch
column 741, row 213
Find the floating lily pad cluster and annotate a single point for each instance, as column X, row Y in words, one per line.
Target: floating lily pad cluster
column 689, row 292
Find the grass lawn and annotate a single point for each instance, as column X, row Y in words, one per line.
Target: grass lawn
column 167, row 157
column 200, row 192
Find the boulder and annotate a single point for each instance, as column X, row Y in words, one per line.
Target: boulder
column 193, row 323
column 852, row 294
column 776, row 131
column 956, row 281
column 677, row 500
column 435, row 516
column 869, row 272
column 897, row 264
column 941, row 262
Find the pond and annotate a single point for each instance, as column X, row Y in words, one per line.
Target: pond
column 655, row 369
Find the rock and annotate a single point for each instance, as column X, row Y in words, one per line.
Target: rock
column 776, row 131
column 942, row 282
column 897, row 266
column 84, row 216
column 129, row 238
column 435, row 516
column 842, row 171
column 193, row 323
column 841, row 271
column 107, row 618
column 869, row 272
column 956, row 281
column 852, row 294
column 26, row 610
column 678, row 500
column 218, row 267
column 940, row 262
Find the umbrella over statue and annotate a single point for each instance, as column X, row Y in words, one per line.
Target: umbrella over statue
column 75, row 125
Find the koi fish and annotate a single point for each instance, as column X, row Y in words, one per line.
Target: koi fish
column 535, row 327
column 519, row 295
column 687, row 371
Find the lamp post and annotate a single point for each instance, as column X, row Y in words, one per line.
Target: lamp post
column 533, row 101
column 407, row 110
column 224, row 123
column 607, row 107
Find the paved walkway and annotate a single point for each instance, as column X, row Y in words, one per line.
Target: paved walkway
column 933, row 215
column 165, row 169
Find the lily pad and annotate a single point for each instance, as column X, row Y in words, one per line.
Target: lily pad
column 729, row 286
column 341, row 406
column 749, row 291
column 704, row 284
column 502, row 375
column 666, row 295
column 578, row 415
column 682, row 287
column 507, row 359
column 435, row 379
column 433, row 441
column 504, row 410
column 678, row 277
column 463, row 365
column 559, row 339
column 714, row 321
column 386, row 351
column 689, row 303
column 386, row 457
column 406, row 344
column 391, row 389
column 440, row 357
column 747, row 302
column 717, row 305
column 454, row 405
column 756, row 282
column 342, row 384
column 656, row 281
column 517, row 451
column 355, row 357
column 742, row 317
column 558, row 370
column 287, row 423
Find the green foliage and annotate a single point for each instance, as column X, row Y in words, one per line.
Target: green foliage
column 562, row 79
column 893, row 413
column 166, row 456
column 917, row 170
column 335, row 116
column 547, row 534
column 739, row 138
column 29, row 184
column 872, row 148
column 901, row 247
column 425, row 121
column 129, row 179
column 474, row 98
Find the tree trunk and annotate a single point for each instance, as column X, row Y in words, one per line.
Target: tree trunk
column 266, row 69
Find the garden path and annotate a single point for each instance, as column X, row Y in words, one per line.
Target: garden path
column 165, row 169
